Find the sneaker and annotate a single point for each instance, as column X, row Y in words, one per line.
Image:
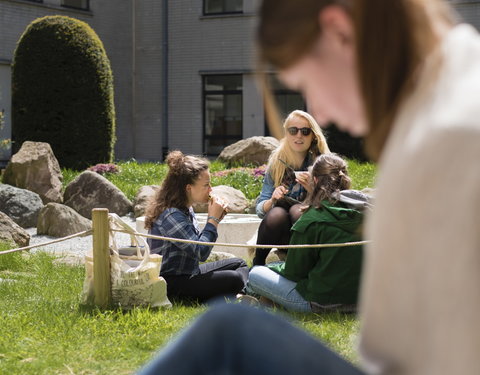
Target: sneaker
column 247, row 300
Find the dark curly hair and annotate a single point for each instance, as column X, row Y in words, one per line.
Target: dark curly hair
column 183, row 171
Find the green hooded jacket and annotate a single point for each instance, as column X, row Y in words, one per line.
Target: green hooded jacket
column 325, row 275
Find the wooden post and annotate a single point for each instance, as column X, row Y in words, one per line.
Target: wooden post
column 101, row 258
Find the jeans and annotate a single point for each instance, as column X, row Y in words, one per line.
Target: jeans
column 236, row 339
column 277, row 288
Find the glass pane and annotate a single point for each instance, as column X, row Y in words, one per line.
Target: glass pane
column 233, row 5
column 223, row 121
column 223, row 115
column 80, row 4
column 213, row 6
column 288, row 103
column 223, row 6
column 223, row 83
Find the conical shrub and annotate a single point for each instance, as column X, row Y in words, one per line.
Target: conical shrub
column 62, row 92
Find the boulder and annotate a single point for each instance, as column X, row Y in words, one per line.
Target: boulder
column 91, row 190
column 144, row 194
column 58, row 220
column 35, row 168
column 12, row 232
column 21, row 205
column 253, row 150
column 219, row 255
column 237, row 203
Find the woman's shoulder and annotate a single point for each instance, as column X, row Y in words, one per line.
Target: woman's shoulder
column 172, row 212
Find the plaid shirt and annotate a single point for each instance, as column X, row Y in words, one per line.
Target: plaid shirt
column 181, row 258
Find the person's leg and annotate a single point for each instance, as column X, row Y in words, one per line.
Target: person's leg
column 233, row 264
column 267, row 283
column 234, row 339
column 295, row 213
column 274, row 229
column 224, row 278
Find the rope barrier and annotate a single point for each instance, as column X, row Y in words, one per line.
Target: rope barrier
column 171, row 239
column 79, row 234
column 344, row 244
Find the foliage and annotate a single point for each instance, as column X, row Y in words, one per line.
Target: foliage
column 249, row 180
column 62, row 92
column 362, row 174
column 46, row 331
column 102, row 168
column 5, row 142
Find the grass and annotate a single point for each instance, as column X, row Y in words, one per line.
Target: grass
column 45, row 329
column 133, row 176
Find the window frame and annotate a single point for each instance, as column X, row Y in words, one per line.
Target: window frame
column 205, row 93
column 205, row 13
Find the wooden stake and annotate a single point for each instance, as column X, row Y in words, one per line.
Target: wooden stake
column 101, row 258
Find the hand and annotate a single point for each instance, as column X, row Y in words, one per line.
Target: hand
column 303, row 178
column 217, row 207
column 279, row 193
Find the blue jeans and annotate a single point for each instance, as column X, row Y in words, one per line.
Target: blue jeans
column 237, row 339
column 277, row 288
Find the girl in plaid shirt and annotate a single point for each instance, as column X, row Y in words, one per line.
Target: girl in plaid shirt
column 170, row 214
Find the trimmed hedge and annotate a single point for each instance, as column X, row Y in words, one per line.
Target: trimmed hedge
column 62, row 92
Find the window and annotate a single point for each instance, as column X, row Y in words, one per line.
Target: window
column 222, row 6
column 222, row 98
column 287, row 100
column 77, row 4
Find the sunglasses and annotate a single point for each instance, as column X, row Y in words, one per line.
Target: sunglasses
column 294, row 130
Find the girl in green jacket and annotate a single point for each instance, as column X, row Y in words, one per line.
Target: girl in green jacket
column 319, row 279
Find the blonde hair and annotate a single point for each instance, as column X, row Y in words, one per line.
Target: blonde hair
column 392, row 40
column 284, row 153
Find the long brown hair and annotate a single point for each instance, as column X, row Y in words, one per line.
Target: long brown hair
column 183, row 170
column 319, row 146
column 330, row 171
column 393, row 38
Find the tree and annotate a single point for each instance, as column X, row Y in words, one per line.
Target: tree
column 62, row 92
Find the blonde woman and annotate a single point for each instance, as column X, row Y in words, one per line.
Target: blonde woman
column 283, row 187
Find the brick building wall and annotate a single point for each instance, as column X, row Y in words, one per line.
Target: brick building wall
column 154, row 113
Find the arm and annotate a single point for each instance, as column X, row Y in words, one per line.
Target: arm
column 178, row 225
column 269, row 196
column 265, row 195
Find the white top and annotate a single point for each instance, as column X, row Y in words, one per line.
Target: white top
column 420, row 298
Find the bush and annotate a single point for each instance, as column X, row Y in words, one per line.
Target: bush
column 62, row 92
column 4, row 142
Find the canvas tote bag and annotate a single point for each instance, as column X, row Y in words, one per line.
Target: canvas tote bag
column 134, row 272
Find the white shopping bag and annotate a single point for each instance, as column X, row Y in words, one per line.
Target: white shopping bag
column 134, row 274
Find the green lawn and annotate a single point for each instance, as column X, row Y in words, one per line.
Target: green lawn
column 45, row 330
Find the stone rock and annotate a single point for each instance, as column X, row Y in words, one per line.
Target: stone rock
column 253, row 150
column 273, row 256
column 12, row 232
column 35, row 168
column 21, row 205
column 58, row 220
column 219, row 255
column 237, row 203
column 144, row 194
column 91, row 190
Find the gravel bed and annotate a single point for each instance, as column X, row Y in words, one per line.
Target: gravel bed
column 75, row 248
